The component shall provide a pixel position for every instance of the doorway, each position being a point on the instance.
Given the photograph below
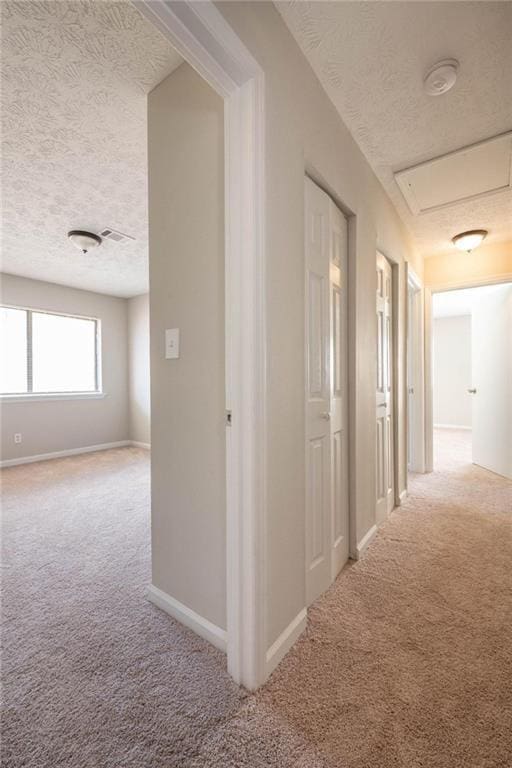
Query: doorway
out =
(471, 378)
(326, 298)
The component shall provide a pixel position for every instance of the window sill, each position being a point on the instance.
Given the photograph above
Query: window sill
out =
(38, 397)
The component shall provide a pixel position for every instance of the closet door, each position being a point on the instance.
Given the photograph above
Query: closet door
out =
(326, 391)
(318, 376)
(384, 393)
(339, 388)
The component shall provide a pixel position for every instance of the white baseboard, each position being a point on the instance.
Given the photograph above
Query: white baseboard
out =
(451, 426)
(365, 542)
(402, 496)
(62, 454)
(286, 639)
(201, 626)
(136, 444)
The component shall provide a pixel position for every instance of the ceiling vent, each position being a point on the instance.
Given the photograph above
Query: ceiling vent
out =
(468, 173)
(113, 234)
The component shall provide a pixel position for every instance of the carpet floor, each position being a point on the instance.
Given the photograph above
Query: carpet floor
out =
(406, 661)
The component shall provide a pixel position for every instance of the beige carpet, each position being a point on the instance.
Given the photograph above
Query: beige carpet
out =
(406, 662)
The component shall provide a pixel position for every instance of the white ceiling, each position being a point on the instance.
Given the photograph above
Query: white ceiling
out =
(371, 58)
(75, 76)
(455, 303)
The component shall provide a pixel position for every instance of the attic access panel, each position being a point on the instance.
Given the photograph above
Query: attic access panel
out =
(465, 174)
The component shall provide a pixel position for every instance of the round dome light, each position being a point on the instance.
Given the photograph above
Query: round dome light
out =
(468, 241)
(84, 240)
(441, 77)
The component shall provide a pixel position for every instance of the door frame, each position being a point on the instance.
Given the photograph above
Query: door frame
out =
(415, 331)
(429, 380)
(201, 35)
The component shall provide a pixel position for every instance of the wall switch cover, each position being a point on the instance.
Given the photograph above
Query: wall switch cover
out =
(172, 343)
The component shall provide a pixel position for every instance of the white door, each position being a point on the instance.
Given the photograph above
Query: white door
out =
(384, 399)
(326, 401)
(410, 376)
(339, 388)
(491, 387)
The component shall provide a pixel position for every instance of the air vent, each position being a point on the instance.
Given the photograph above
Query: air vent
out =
(117, 237)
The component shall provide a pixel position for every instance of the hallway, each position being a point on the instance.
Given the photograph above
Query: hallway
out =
(406, 660)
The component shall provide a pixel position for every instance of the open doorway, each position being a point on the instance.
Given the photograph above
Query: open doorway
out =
(136, 50)
(472, 378)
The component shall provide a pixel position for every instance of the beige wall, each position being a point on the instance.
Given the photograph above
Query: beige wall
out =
(138, 369)
(186, 258)
(451, 347)
(59, 425)
(304, 131)
(484, 265)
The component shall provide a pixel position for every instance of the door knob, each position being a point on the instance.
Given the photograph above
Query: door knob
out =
(472, 391)
(325, 415)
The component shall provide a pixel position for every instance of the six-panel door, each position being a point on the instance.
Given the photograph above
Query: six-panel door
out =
(384, 391)
(326, 401)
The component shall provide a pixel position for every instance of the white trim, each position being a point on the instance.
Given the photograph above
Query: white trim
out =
(286, 640)
(62, 454)
(403, 495)
(452, 426)
(185, 615)
(37, 397)
(199, 32)
(365, 542)
(136, 444)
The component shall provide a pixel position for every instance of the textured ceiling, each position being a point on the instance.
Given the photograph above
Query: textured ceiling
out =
(75, 76)
(371, 58)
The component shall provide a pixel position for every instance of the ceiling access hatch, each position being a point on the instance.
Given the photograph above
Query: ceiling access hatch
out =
(468, 173)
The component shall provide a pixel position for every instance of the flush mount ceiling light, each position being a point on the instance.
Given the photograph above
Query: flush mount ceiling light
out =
(468, 241)
(84, 240)
(441, 77)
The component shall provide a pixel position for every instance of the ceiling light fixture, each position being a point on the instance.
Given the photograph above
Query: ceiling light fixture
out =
(441, 77)
(84, 240)
(468, 241)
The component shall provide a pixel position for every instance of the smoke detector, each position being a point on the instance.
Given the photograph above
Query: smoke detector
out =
(113, 234)
(441, 77)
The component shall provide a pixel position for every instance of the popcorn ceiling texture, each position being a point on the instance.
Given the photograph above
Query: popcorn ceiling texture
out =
(371, 58)
(406, 661)
(75, 76)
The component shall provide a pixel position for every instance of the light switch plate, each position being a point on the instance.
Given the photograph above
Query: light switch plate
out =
(172, 343)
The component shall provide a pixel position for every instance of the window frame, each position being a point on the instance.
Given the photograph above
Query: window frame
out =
(96, 393)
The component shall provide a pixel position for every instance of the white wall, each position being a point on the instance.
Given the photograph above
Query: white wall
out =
(452, 370)
(186, 271)
(56, 425)
(138, 365)
(303, 132)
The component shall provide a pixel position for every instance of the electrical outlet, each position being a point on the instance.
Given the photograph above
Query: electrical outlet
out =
(17, 437)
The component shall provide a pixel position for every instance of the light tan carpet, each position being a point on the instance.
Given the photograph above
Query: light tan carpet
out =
(406, 662)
